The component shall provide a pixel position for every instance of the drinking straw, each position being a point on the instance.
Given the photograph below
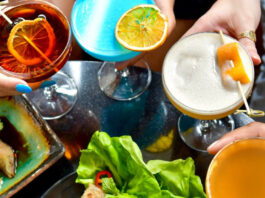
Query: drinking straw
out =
(6, 17)
(250, 112)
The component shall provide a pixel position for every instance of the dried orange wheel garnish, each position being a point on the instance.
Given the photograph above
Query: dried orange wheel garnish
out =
(29, 35)
(142, 28)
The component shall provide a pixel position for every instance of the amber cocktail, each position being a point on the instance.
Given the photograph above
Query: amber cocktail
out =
(35, 43)
(238, 171)
(46, 28)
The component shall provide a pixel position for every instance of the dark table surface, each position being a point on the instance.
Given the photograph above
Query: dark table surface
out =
(145, 118)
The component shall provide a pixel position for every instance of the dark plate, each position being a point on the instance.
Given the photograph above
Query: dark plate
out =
(65, 188)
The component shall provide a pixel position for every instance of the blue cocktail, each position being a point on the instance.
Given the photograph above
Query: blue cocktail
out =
(93, 24)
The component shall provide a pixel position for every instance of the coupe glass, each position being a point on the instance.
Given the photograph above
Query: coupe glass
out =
(199, 127)
(239, 169)
(93, 24)
(55, 101)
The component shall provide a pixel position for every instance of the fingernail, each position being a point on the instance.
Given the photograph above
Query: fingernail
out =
(255, 56)
(47, 83)
(23, 88)
(213, 145)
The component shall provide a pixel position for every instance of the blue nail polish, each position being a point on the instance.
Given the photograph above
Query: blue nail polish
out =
(23, 88)
(47, 83)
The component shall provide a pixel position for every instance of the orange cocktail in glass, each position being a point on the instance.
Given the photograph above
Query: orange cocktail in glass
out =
(35, 24)
(35, 43)
(237, 171)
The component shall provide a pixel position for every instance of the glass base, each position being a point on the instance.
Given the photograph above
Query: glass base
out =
(125, 84)
(57, 100)
(199, 134)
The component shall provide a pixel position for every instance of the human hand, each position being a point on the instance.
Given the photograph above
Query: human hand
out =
(233, 17)
(10, 86)
(252, 130)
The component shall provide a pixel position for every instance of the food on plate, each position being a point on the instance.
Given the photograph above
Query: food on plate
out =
(31, 142)
(93, 192)
(115, 165)
(7, 160)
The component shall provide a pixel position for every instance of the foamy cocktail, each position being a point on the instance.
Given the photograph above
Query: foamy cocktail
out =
(193, 82)
(200, 88)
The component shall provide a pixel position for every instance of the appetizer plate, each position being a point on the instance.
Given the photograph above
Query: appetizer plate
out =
(36, 145)
(66, 188)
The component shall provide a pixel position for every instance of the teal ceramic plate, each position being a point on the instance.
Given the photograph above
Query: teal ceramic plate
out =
(36, 145)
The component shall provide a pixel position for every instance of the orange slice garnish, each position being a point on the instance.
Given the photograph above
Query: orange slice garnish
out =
(31, 41)
(142, 28)
(229, 52)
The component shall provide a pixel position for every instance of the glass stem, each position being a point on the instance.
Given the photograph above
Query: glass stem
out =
(205, 126)
(49, 92)
(125, 72)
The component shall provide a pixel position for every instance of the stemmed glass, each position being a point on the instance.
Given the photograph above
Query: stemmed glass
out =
(49, 45)
(93, 24)
(193, 83)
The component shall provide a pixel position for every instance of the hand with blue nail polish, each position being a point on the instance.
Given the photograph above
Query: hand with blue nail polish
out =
(10, 86)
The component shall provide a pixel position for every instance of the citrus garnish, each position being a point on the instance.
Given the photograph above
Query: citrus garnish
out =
(142, 28)
(31, 41)
(228, 52)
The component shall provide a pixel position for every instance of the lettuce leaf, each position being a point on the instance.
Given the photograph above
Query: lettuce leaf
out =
(135, 179)
(109, 186)
(178, 177)
(123, 158)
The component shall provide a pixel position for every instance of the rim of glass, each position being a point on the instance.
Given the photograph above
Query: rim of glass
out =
(4, 2)
(209, 170)
(11, 5)
(209, 112)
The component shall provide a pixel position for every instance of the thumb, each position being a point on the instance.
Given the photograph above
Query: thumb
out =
(254, 129)
(251, 48)
(201, 25)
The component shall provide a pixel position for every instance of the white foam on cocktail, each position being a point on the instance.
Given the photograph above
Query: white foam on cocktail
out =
(192, 76)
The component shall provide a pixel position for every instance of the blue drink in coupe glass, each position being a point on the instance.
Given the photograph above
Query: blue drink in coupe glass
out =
(93, 25)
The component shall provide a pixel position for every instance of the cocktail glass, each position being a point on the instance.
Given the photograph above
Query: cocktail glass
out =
(193, 83)
(55, 101)
(239, 169)
(93, 24)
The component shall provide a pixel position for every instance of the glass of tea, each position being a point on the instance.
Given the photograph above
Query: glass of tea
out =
(238, 170)
(34, 45)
